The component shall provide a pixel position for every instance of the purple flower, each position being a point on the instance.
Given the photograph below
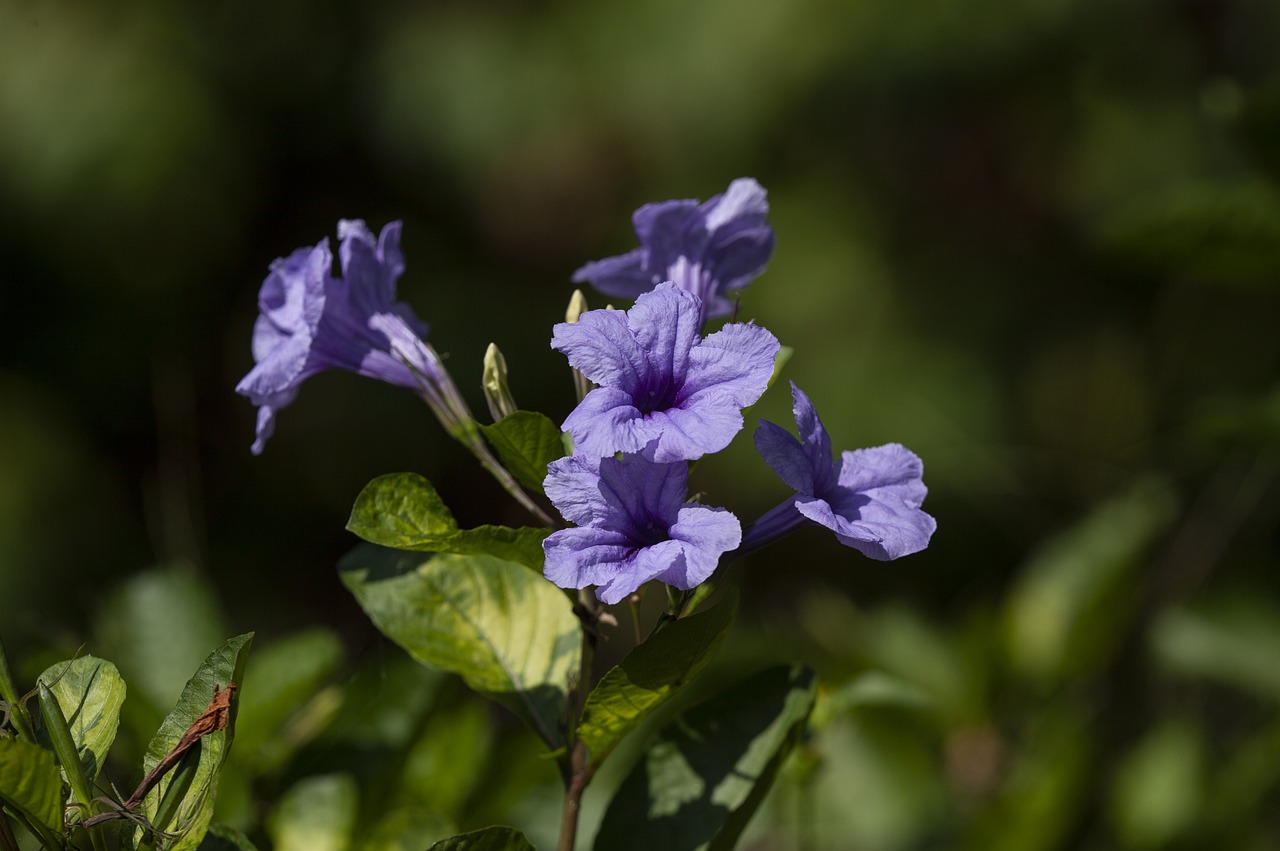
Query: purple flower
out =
(663, 389)
(311, 321)
(869, 497)
(707, 249)
(633, 526)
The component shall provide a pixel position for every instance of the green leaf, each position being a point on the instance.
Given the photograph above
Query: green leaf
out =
(31, 783)
(223, 666)
(403, 511)
(283, 676)
(90, 692)
(223, 838)
(509, 633)
(527, 442)
(649, 675)
(486, 839)
(316, 814)
(699, 783)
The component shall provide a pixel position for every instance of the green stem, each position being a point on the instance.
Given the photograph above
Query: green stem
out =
(64, 747)
(470, 437)
(576, 769)
(17, 708)
(184, 774)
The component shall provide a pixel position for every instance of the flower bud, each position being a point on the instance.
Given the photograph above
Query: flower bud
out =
(577, 307)
(497, 392)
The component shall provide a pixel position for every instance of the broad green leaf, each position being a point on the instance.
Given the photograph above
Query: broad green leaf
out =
(403, 511)
(649, 675)
(31, 783)
(282, 677)
(509, 633)
(526, 442)
(223, 666)
(316, 814)
(699, 783)
(223, 838)
(90, 692)
(486, 839)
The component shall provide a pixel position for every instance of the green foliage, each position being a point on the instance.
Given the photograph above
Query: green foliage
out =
(315, 814)
(225, 665)
(90, 693)
(223, 838)
(486, 839)
(510, 634)
(282, 677)
(31, 784)
(699, 783)
(649, 675)
(403, 511)
(526, 442)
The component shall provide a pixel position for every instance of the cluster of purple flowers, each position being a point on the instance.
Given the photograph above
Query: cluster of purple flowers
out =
(665, 395)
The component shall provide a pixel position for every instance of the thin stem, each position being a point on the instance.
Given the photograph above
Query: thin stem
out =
(576, 769)
(473, 441)
(17, 705)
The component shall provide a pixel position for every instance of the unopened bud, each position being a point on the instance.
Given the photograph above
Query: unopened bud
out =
(577, 306)
(497, 392)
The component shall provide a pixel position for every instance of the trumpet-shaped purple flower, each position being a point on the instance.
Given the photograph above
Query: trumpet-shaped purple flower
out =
(708, 249)
(869, 497)
(663, 389)
(633, 526)
(311, 321)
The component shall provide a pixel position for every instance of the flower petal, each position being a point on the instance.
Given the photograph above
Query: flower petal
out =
(884, 470)
(785, 456)
(668, 230)
(601, 346)
(705, 534)
(624, 276)
(704, 425)
(666, 324)
(744, 198)
(586, 555)
(736, 362)
(641, 494)
(606, 422)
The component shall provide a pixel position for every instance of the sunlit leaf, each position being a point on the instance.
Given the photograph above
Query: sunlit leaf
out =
(223, 666)
(31, 783)
(526, 442)
(315, 814)
(485, 839)
(90, 692)
(649, 675)
(403, 511)
(510, 634)
(699, 783)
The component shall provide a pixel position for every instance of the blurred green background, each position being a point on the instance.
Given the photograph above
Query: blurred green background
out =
(1036, 242)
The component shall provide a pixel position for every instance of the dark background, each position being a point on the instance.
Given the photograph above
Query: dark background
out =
(1038, 243)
